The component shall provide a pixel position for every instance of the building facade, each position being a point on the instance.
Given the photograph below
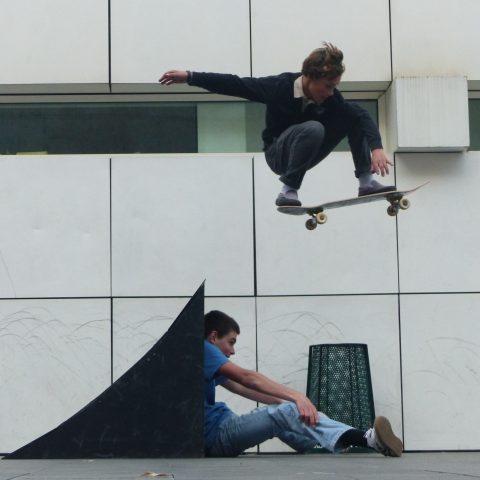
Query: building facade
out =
(139, 192)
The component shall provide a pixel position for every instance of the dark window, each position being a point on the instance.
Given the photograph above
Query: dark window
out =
(474, 114)
(64, 128)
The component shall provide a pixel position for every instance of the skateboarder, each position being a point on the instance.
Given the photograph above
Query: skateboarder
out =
(288, 415)
(306, 118)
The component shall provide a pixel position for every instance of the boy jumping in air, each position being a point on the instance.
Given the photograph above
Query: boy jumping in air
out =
(306, 118)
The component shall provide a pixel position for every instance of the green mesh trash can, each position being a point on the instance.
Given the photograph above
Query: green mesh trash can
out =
(339, 383)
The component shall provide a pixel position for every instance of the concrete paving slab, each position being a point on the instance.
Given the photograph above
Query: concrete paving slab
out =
(418, 466)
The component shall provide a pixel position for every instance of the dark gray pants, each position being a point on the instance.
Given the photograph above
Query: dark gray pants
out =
(300, 147)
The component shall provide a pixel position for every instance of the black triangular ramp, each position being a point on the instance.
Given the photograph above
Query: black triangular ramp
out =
(154, 410)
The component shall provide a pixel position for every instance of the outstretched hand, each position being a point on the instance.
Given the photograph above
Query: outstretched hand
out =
(174, 76)
(380, 162)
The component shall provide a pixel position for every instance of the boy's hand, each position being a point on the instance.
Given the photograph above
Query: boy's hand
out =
(174, 76)
(380, 162)
(308, 411)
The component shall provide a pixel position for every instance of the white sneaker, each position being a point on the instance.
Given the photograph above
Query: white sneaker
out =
(382, 439)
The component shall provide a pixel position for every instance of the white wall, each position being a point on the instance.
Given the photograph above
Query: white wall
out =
(53, 42)
(330, 260)
(169, 235)
(282, 36)
(159, 35)
(55, 226)
(435, 38)
(54, 359)
(445, 257)
(64, 44)
(441, 347)
(288, 325)
(177, 220)
(82, 235)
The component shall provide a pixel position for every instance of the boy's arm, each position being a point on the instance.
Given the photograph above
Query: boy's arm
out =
(380, 162)
(235, 387)
(260, 383)
(254, 89)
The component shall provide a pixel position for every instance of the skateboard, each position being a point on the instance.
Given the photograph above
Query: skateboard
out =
(397, 200)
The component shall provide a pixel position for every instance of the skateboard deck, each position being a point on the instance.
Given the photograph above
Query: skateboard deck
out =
(397, 200)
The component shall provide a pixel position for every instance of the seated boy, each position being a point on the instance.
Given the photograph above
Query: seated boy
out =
(288, 415)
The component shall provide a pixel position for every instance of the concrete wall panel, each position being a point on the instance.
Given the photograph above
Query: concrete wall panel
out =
(54, 41)
(284, 34)
(178, 220)
(435, 38)
(288, 325)
(335, 257)
(441, 360)
(54, 219)
(54, 359)
(159, 35)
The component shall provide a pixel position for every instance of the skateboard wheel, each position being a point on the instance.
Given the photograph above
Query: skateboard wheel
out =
(392, 210)
(321, 217)
(404, 203)
(311, 224)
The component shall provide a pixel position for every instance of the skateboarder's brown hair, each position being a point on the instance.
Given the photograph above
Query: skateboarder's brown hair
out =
(326, 61)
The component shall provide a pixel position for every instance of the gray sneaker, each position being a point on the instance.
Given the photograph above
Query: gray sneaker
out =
(288, 199)
(375, 187)
(382, 439)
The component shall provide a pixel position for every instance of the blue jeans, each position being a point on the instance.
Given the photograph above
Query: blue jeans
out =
(237, 433)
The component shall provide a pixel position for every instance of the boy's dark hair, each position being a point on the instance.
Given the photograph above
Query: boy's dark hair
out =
(221, 322)
(326, 61)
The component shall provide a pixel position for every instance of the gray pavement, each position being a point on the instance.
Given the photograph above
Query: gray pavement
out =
(421, 466)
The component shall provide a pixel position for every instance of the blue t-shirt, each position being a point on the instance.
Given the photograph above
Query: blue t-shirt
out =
(215, 412)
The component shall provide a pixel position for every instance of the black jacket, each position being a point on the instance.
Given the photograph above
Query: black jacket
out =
(284, 110)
